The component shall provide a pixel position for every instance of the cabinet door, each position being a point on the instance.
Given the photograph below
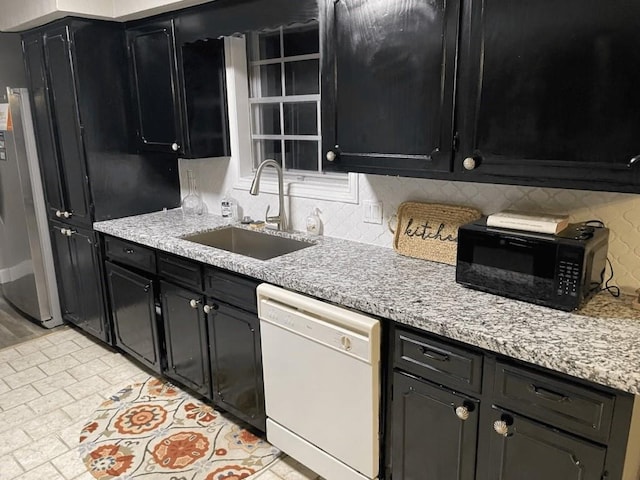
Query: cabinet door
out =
(430, 441)
(64, 107)
(153, 63)
(186, 338)
(547, 93)
(45, 132)
(532, 451)
(236, 362)
(388, 83)
(135, 328)
(78, 274)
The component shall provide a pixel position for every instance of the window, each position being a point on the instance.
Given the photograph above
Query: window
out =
(284, 86)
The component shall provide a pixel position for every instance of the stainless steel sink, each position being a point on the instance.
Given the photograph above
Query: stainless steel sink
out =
(248, 242)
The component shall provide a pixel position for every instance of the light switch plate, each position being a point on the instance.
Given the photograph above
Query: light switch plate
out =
(372, 212)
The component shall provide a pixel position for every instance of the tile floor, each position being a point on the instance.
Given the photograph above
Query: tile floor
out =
(48, 387)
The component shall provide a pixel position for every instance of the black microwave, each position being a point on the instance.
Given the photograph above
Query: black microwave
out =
(560, 271)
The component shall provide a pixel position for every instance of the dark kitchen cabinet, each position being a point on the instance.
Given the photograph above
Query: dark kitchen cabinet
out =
(458, 413)
(236, 362)
(388, 79)
(78, 274)
(59, 135)
(526, 450)
(434, 431)
(547, 94)
(179, 91)
(133, 312)
(186, 339)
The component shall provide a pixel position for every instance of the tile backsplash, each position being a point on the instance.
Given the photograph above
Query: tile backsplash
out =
(619, 211)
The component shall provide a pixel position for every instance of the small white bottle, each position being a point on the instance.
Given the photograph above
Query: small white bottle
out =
(228, 208)
(314, 224)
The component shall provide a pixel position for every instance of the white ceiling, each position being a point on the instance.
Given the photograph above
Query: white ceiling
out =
(16, 16)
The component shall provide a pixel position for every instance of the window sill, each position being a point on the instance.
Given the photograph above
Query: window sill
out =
(333, 188)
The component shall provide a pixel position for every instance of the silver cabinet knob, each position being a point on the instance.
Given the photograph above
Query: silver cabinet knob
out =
(193, 303)
(501, 427)
(67, 214)
(209, 308)
(175, 147)
(58, 213)
(462, 412)
(469, 163)
(331, 156)
(63, 231)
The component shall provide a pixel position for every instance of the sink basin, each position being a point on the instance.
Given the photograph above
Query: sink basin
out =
(248, 242)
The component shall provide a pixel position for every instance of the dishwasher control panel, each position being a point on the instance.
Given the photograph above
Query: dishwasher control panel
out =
(318, 329)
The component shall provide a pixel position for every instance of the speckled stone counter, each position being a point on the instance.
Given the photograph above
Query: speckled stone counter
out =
(600, 343)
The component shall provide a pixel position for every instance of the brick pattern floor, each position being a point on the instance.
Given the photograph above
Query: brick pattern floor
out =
(49, 386)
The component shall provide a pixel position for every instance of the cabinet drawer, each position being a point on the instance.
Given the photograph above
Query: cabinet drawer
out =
(180, 270)
(129, 253)
(233, 289)
(438, 362)
(561, 403)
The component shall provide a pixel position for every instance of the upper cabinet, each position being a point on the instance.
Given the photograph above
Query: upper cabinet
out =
(529, 93)
(179, 92)
(388, 82)
(548, 93)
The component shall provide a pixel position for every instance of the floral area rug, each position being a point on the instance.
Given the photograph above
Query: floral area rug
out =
(153, 430)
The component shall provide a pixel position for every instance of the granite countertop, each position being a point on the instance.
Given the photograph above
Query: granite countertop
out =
(600, 343)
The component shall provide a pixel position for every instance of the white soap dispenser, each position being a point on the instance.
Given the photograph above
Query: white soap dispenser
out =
(228, 208)
(314, 224)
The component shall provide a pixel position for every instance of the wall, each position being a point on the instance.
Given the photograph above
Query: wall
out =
(11, 75)
(620, 212)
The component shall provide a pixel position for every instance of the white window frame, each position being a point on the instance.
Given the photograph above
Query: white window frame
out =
(339, 187)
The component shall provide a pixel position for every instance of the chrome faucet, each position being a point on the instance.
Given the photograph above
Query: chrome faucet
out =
(279, 220)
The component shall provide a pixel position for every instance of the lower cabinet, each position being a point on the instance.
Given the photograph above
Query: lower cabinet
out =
(525, 450)
(133, 311)
(186, 338)
(434, 431)
(236, 362)
(78, 273)
(516, 422)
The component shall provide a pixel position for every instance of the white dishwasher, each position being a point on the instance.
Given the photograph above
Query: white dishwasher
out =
(322, 383)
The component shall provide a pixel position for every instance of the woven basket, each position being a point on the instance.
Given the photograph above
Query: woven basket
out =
(430, 230)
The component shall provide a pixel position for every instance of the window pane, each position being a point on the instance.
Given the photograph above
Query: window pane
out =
(301, 40)
(269, 81)
(267, 45)
(264, 149)
(302, 78)
(301, 155)
(300, 118)
(266, 119)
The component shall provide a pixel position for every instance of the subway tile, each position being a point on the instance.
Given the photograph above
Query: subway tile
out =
(9, 354)
(81, 409)
(54, 382)
(9, 468)
(290, 469)
(47, 424)
(43, 472)
(33, 346)
(59, 364)
(69, 464)
(61, 349)
(89, 353)
(16, 397)
(28, 361)
(89, 369)
(24, 377)
(115, 359)
(86, 387)
(122, 374)
(50, 402)
(16, 416)
(13, 439)
(83, 341)
(70, 435)
(6, 369)
(39, 452)
(4, 387)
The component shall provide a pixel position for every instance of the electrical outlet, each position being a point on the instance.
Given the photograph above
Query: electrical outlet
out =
(372, 212)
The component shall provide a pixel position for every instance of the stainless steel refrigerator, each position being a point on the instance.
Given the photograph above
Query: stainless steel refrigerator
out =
(26, 261)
